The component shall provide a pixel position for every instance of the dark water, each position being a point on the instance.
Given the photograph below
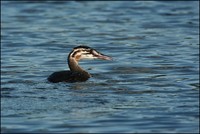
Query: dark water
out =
(152, 85)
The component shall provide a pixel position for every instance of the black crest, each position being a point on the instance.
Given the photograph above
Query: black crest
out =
(86, 47)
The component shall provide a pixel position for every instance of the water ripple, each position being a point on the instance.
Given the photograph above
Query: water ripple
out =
(151, 86)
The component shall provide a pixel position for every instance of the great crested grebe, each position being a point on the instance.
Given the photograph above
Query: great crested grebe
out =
(76, 73)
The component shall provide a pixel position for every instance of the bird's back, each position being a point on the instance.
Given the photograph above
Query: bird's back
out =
(67, 76)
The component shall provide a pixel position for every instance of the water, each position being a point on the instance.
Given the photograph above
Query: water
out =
(152, 85)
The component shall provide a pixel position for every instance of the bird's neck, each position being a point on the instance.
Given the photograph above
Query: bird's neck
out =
(73, 65)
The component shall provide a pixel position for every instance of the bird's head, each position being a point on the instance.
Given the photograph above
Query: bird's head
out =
(85, 52)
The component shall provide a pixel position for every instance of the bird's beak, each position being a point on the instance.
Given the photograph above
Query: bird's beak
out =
(103, 57)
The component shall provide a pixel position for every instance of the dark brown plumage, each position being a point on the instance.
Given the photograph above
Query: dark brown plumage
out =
(76, 73)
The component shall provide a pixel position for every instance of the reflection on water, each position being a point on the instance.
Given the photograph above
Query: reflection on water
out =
(152, 85)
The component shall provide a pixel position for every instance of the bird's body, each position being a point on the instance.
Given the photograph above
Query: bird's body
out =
(76, 73)
(67, 76)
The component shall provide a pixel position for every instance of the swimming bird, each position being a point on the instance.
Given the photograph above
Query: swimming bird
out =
(76, 73)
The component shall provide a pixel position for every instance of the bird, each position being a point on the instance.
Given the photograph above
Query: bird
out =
(76, 73)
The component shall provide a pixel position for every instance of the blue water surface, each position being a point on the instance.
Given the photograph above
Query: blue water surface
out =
(152, 84)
